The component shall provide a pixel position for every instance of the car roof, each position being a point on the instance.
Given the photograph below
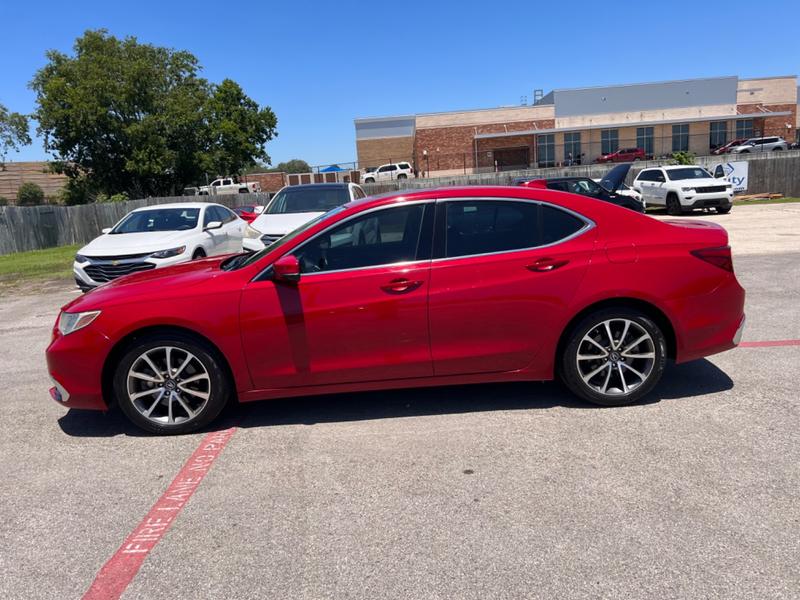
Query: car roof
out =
(675, 167)
(176, 205)
(322, 186)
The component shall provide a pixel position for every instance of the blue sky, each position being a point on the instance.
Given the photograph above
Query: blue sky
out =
(321, 64)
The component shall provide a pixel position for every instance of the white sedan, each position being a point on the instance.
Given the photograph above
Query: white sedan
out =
(158, 236)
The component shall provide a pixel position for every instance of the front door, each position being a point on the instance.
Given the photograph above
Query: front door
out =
(359, 312)
(507, 272)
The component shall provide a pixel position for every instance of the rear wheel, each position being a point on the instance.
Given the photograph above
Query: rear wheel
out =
(673, 205)
(613, 357)
(369, 180)
(170, 383)
(402, 176)
(777, 149)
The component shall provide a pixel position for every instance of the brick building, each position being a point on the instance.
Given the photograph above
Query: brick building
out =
(579, 125)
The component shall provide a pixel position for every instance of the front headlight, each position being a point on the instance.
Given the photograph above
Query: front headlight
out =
(80, 258)
(687, 189)
(252, 233)
(169, 253)
(69, 322)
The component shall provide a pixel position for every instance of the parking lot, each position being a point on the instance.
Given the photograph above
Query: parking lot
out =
(491, 491)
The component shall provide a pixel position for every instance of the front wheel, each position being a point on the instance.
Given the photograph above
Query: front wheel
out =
(674, 205)
(613, 357)
(369, 180)
(170, 384)
(724, 210)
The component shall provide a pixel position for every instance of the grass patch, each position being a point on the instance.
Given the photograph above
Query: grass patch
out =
(52, 263)
(765, 201)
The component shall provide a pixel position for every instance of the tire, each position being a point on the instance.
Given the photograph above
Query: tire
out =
(673, 205)
(724, 210)
(745, 152)
(402, 176)
(198, 254)
(609, 380)
(170, 414)
(777, 149)
(369, 180)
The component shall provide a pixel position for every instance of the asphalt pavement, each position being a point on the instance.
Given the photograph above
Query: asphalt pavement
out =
(491, 491)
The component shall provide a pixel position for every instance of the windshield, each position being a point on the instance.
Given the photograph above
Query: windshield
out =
(303, 200)
(160, 219)
(687, 173)
(242, 260)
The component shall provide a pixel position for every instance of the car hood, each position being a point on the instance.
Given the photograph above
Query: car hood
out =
(283, 224)
(119, 244)
(179, 280)
(615, 177)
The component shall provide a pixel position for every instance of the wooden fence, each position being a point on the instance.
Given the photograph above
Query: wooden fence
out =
(35, 227)
(31, 228)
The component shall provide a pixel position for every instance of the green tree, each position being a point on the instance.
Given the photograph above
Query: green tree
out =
(30, 194)
(295, 165)
(13, 132)
(122, 116)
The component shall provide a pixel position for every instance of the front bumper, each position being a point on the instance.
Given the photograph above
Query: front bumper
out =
(96, 271)
(707, 200)
(75, 365)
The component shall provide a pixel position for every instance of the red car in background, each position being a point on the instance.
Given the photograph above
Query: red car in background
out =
(622, 155)
(421, 288)
(727, 147)
(249, 212)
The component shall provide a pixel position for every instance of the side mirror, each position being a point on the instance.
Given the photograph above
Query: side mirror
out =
(286, 268)
(106, 230)
(213, 225)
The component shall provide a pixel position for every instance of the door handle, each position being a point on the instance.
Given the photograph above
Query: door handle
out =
(401, 286)
(546, 264)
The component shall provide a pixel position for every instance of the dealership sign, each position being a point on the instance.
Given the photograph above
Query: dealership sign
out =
(735, 172)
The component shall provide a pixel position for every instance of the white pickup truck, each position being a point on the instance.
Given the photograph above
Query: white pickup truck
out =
(228, 185)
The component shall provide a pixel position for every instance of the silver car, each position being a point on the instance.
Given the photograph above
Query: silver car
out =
(761, 144)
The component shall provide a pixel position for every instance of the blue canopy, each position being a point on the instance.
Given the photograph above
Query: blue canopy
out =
(332, 169)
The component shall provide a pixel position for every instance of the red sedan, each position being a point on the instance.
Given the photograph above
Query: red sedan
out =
(425, 288)
(622, 155)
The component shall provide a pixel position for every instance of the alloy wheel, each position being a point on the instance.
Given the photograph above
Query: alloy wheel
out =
(615, 357)
(168, 385)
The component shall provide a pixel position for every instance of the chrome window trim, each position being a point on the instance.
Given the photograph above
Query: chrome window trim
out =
(588, 225)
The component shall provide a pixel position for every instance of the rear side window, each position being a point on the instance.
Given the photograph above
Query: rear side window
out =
(485, 226)
(558, 224)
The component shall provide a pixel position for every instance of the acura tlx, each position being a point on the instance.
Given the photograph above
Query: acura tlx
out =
(422, 288)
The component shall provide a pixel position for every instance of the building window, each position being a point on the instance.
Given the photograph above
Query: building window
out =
(546, 150)
(718, 134)
(680, 137)
(644, 140)
(609, 141)
(744, 128)
(572, 148)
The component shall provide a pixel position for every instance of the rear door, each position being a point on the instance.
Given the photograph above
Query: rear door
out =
(359, 312)
(503, 274)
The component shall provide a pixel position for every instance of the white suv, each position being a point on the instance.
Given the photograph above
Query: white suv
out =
(401, 170)
(762, 144)
(296, 205)
(682, 188)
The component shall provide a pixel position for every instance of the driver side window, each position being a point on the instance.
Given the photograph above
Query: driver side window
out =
(378, 238)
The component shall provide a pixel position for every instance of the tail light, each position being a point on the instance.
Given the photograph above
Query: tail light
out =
(719, 256)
